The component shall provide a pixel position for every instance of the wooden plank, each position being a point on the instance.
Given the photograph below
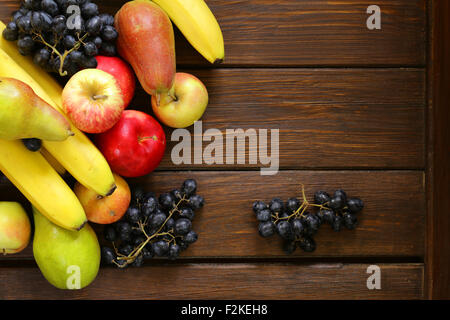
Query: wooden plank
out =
(391, 225)
(327, 117)
(316, 32)
(225, 281)
(438, 231)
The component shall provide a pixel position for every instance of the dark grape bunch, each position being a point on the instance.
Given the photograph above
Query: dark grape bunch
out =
(41, 29)
(296, 225)
(153, 226)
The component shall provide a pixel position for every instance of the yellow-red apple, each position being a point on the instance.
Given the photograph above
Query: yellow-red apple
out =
(105, 210)
(185, 103)
(15, 228)
(93, 100)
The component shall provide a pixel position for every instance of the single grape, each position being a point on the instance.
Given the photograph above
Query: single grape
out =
(355, 205)
(89, 62)
(292, 205)
(349, 220)
(321, 197)
(147, 253)
(90, 49)
(138, 193)
(289, 246)
(160, 248)
(76, 56)
(109, 33)
(284, 230)
(138, 261)
(107, 19)
(97, 41)
(327, 216)
(307, 244)
(298, 227)
(24, 23)
(191, 237)
(32, 144)
(16, 15)
(69, 41)
(41, 57)
(108, 255)
(123, 227)
(108, 49)
(50, 6)
(337, 202)
(189, 186)
(149, 206)
(94, 26)
(109, 233)
(264, 215)
(174, 251)
(59, 25)
(167, 201)
(89, 9)
(158, 219)
(11, 32)
(340, 193)
(276, 205)
(27, 4)
(258, 206)
(133, 214)
(170, 224)
(126, 249)
(196, 201)
(266, 229)
(187, 213)
(137, 241)
(182, 226)
(337, 223)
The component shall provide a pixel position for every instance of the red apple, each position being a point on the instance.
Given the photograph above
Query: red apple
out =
(104, 210)
(93, 100)
(185, 104)
(123, 74)
(134, 146)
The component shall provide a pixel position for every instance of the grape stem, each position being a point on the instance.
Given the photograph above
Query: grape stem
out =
(136, 251)
(302, 209)
(62, 57)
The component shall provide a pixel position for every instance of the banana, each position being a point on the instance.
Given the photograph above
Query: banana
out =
(77, 153)
(198, 24)
(41, 185)
(53, 162)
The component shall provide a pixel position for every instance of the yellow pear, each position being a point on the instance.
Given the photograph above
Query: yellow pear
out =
(67, 259)
(23, 114)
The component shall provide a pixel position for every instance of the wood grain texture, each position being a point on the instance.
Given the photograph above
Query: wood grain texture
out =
(314, 32)
(237, 281)
(326, 117)
(391, 225)
(438, 235)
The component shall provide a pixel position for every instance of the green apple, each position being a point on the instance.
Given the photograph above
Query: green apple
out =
(185, 103)
(15, 228)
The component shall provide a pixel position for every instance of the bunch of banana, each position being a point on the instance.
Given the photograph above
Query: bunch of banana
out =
(198, 24)
(31, 172)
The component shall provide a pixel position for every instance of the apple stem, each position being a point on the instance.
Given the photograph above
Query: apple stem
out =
(158, 99)
(101, 96)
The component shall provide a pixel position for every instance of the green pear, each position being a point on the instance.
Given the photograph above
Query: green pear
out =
(67, 259)
(23, 114)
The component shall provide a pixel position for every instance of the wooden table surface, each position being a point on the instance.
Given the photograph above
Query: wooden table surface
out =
(352, 108)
